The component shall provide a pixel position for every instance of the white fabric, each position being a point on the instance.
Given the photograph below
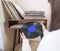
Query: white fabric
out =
(45, 32)
(26, 47)
(1, 40)
(50, 42)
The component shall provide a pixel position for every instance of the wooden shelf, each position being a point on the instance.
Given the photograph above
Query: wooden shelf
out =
(13, 22)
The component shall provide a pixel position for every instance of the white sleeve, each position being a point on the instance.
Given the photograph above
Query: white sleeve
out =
(26, 45)
(45, 32)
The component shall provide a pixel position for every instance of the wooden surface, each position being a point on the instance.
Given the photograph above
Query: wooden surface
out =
(13, 22)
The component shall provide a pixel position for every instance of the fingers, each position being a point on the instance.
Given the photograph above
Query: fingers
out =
(42, 23)
(43, 26)
(22, 35)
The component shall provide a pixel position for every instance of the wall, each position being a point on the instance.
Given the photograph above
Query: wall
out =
(38, 5)
(7, 34)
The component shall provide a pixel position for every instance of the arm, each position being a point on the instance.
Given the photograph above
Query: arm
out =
(25, 44)
(45, 31)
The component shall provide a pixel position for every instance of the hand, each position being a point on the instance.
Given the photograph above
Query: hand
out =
(22, 35)
(43, 26)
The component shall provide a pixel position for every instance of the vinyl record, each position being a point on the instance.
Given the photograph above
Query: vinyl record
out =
(32, 29)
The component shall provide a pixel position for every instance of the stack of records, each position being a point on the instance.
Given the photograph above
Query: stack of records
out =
(34, 13)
